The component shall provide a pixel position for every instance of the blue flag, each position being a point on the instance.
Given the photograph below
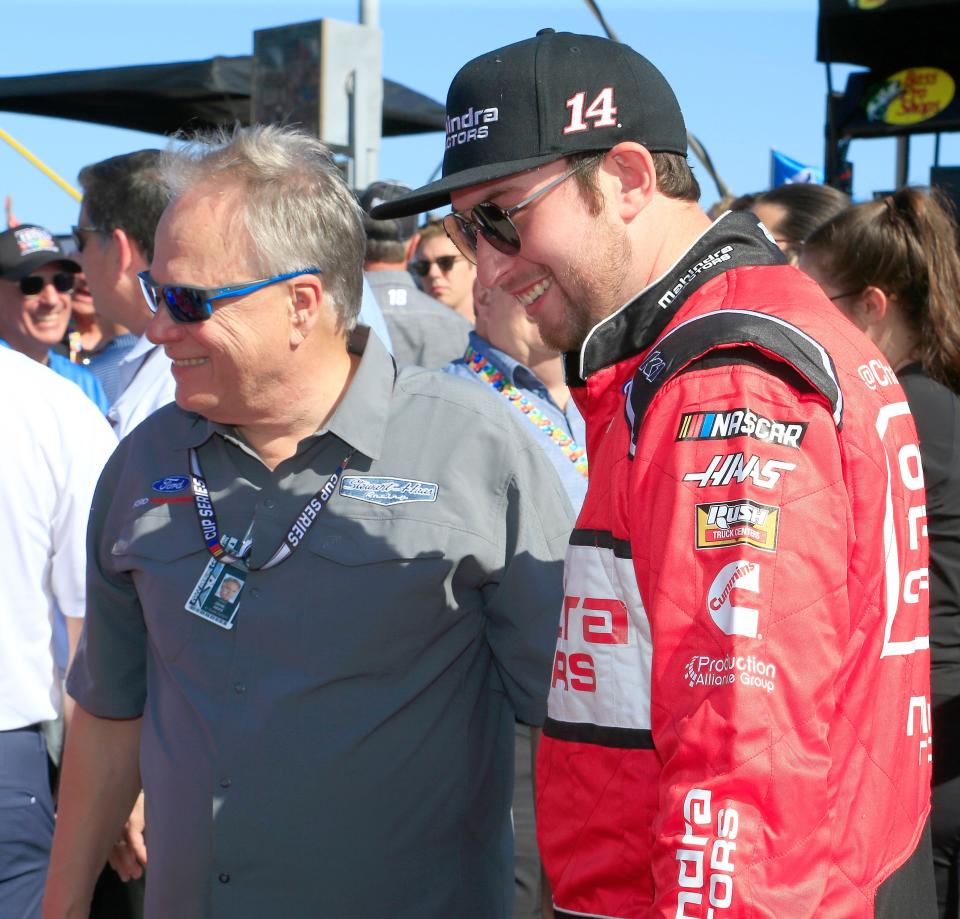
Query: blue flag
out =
(786, 171)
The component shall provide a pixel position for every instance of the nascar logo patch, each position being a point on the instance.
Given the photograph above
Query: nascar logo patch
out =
(740, 422)
(737, 523)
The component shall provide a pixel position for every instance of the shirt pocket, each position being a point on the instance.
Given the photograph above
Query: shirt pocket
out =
(385, 587)
(163, 552)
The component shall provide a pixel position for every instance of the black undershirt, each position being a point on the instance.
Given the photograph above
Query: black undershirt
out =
(936, 412)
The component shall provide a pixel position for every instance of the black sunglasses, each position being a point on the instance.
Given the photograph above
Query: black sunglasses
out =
(192, 304)
(79, 240)
(494, 223)
(32, 284)
(421, 267)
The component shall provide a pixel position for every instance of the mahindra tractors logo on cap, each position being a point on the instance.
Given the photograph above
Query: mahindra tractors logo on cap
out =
(731, 619)
(472, 125)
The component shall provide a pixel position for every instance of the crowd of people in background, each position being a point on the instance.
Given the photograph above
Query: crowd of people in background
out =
(360, 693)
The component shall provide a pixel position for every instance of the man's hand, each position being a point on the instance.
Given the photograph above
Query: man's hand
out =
(11, 218)
(99, 784)
(128, 857)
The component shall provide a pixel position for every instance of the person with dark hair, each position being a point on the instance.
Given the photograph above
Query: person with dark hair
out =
(123, 198)
(737, 719)
(424, 332)
(892, 268)
(96, 342)
(792, 212)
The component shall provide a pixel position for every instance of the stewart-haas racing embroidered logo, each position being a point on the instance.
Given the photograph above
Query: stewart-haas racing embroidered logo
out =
(737, 522)
(740, 422)
(387, 491)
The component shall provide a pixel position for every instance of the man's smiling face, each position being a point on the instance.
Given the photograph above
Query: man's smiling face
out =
(568, 273)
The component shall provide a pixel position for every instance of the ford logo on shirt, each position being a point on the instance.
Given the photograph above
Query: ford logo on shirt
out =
(171, 483)
(386, 491)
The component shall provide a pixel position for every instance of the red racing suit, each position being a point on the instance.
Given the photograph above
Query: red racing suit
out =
(739, 716)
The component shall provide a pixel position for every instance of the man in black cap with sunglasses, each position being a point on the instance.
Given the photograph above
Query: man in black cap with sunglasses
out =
(36, 278)
(738, 719)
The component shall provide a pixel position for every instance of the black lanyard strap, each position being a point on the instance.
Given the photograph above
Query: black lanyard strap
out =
(210, 530)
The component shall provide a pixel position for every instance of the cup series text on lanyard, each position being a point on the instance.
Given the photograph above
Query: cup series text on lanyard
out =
(207, 517)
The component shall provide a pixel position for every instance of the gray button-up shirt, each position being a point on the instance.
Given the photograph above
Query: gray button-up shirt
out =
(424, 331)
(346, 749)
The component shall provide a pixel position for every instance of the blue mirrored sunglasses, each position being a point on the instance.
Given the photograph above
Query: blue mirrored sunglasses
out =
(192, 304)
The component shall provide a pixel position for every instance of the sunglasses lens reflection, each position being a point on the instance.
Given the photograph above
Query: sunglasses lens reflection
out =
(497, 228)
(184, 304)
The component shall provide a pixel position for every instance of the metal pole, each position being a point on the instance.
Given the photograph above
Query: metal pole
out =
(43, 167)
(903, 161)
(365, 91)
(370, 13)
(936, 149)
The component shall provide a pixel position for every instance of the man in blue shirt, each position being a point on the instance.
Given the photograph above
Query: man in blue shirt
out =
(507, 355)
(36, 278)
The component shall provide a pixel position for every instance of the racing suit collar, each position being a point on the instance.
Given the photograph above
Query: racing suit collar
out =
(733, 240)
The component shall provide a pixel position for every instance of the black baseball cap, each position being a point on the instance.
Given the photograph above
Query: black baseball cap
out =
(26, 248)
(540, 100)
(399, 229)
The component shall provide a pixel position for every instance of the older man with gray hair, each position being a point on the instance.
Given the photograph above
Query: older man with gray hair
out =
(336, 738)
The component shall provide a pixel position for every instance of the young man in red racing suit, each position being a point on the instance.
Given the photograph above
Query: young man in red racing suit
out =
(738, 714)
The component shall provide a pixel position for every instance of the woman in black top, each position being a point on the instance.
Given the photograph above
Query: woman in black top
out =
(892, 267)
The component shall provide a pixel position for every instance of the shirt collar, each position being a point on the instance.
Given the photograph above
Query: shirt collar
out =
(732, 241)
(363, 413)
(517, 373)
(360, 419)
(143, 346)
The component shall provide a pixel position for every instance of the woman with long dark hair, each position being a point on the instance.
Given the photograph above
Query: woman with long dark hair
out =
(892, 266)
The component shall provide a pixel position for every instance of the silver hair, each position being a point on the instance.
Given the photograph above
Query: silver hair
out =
(296, 205)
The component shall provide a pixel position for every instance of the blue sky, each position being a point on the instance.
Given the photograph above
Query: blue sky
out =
(744, 71)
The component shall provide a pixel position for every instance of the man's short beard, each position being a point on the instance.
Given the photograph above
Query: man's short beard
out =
(594, 296)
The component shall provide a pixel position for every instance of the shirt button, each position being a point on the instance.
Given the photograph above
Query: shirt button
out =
(255, 592)
(239, 688)
(224, 878)
(224, 782)
(270, 504)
